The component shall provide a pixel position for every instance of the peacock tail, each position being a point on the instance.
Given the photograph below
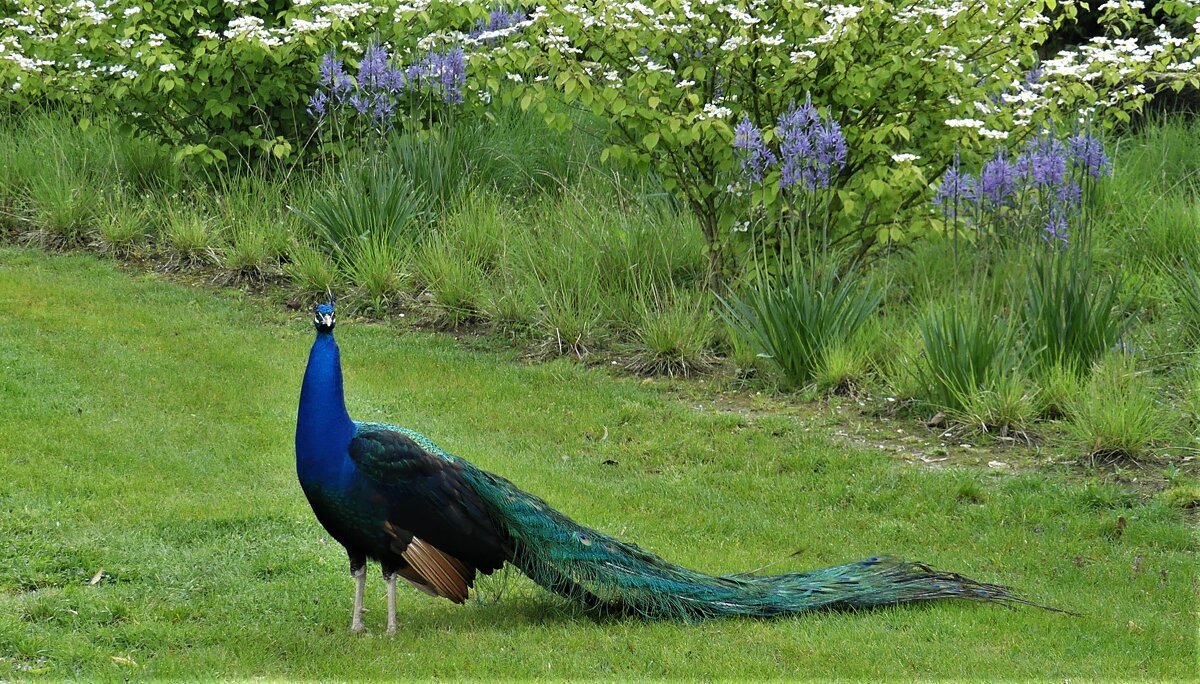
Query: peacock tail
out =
(612, 576)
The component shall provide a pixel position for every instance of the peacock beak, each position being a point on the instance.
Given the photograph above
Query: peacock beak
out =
(324, 320)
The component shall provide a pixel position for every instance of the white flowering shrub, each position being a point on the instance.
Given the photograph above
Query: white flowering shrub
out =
(909, 82)
(214, 77)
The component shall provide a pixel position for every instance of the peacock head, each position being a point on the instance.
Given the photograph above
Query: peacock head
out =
(324, 319)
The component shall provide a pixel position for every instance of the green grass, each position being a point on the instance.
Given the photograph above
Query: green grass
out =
(147, 431)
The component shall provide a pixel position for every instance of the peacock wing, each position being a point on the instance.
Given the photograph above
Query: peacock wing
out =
(438, 523)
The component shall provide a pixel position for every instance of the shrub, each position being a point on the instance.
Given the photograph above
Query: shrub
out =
(797, 316)
(672, 79)
(1117, 417)
(1069, 317)
(215, 79)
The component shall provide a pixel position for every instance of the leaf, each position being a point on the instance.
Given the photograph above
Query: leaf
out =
(651, 140)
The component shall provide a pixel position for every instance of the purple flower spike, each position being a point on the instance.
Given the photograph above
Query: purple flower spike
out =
(331, 70)
(811, 148)
(1087, 153)
(317, 104)
(1056, 228)
(373, 69)
(956, 191)
(1044, 162)
(998, 180)
(752, 150)
(361, 103)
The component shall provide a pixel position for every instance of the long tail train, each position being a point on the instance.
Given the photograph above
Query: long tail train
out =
(612, 576)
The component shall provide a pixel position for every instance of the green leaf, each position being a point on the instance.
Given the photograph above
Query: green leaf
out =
(651, 140)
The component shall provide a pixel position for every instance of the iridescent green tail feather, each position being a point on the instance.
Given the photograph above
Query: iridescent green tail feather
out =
(612, 576)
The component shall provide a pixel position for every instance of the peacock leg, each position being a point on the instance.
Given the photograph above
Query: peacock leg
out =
(360, 584)
(391, 600)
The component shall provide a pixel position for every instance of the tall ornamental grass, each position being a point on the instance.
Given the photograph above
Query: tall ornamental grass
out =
(968, 349)
(794, 318)
(1071, 314)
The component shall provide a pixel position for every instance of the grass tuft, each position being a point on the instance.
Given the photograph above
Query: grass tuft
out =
(375, 267)
(452, 276)
(311, 271)
(1117, 418)
(123, 226)
(188, 235)
(673, 334)
(795, 318)
(1070, 317)
(64, 205)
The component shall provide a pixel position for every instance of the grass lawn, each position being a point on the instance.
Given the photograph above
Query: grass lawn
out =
(148, 432)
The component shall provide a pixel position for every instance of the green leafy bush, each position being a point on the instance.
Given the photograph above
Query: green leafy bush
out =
(910, 85)
(213, 78)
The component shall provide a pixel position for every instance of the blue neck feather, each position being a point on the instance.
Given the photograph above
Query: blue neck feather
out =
(323, 428)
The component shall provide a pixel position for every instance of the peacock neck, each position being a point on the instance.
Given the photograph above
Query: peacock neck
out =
(323, 427)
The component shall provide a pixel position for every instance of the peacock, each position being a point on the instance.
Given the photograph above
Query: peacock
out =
(435, 520)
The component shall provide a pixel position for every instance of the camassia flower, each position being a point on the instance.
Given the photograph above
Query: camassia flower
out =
(752, 150)
(812, 149)
(374, 93)
(1042, 187)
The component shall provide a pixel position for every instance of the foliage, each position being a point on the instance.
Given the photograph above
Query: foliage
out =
(1187, 284)
(672, 333)
(1070, 318)
(968, 351)
(311, 270)
(375, 266)
(672, 77)
(188, 235)
(1030, 198)
(213, 78)
(122, 225)
(797, 316)
(1117, 417)
(452, 276)
(368, 201)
